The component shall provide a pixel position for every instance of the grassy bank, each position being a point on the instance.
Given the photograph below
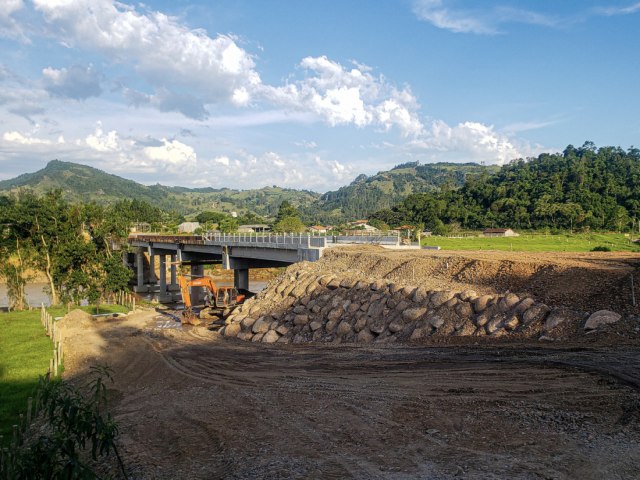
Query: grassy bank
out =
(25, 351)
(537, 243)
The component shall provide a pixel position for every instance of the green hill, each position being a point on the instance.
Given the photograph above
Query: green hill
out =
(81, 183)
(587, 188)
(366, 195)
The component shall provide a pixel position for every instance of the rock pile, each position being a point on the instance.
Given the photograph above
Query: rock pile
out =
(301, 306)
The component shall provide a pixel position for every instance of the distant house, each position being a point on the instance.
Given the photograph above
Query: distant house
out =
(188, 227)
(140, 227)
(318, 229)
(255, 228)
(362, 225)
(499, 232)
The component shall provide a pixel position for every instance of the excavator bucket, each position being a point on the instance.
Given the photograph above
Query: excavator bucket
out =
(189, 317)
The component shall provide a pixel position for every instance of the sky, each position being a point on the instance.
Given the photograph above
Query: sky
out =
(309, 94)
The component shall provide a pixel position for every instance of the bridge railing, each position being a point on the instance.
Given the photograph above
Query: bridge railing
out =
(272, 239)
(299, 239)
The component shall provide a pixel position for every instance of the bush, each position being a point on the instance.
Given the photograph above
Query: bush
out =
(77, 426)
(601, 248)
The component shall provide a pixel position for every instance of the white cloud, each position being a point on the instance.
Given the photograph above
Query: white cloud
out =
(173, 154)
(8, 26)
(469, 142)
(306, 144)
(348, 96)
(222, 160)
(481, 20)
(77, 82)
(436, 13)
(161, 49)
(102, 142)
(628, 10)
(17, 137)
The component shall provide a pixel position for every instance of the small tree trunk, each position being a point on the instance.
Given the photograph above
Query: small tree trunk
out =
(54, 294)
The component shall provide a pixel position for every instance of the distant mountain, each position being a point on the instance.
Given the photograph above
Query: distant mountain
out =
(366, 195)
(80, 182)
(362, 197)
(84, 183)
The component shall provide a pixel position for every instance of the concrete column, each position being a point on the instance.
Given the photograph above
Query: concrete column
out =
(241, 278)
(152, 269)
(173, 286)
(197, 293)
(140, 286)
(163, 296)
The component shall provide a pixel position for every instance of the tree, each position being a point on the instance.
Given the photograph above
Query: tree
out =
(210, 217)
(228, 225)
(289, 225)
(286, 210)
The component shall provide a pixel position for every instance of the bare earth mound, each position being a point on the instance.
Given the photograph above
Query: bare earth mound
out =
(192, 403)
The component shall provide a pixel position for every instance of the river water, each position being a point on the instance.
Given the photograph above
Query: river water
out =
(35, 295)
(36, 291)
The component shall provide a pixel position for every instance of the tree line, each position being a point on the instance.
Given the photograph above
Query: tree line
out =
(586, 188)
(73, 245)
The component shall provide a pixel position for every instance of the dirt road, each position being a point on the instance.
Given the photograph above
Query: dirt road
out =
(191, 404)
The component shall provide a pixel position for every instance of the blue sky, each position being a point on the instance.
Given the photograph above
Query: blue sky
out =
(309, 94)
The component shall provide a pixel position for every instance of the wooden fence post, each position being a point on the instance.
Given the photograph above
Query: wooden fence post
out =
(29, 408)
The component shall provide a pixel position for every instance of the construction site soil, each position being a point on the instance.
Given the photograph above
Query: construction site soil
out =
(193, 403)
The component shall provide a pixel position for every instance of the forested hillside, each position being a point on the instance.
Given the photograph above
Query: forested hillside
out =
(582, 187)
(385, 189)
(81, 183)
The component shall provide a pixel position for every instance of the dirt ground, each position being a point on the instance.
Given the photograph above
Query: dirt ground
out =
(192, 404)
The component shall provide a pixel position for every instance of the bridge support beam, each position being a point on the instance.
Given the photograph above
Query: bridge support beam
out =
(241, 278)
(140, 286)
(197, 293)
(173, 286)
(163, 296)
(152, 270)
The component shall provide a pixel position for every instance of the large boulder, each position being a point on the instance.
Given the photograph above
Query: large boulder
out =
(412, 314)
(438, 298)
(376, 324)
(232, 330)
(365, 336)
(270, 337)
(343, 329)
(601, 317)
(480, 303)
(536, 313)
(260, 326)
(420, 295)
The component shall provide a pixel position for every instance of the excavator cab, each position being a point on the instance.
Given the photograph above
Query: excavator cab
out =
(217, 299)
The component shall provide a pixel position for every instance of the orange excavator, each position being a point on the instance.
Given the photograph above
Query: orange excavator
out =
(217, 299)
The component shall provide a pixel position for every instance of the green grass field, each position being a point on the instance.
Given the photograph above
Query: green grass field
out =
(25, 351)
(537, 243)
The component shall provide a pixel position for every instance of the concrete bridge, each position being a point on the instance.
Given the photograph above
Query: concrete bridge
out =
(239, 252)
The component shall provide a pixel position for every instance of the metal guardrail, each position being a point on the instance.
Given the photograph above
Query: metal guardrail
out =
(270, 239)
(373, 239)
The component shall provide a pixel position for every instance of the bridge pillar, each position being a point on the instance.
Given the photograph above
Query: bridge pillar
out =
(164, 296)
(197, 293)
(173, 286)
(241, 278)
(152, 270)
(140, 286)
